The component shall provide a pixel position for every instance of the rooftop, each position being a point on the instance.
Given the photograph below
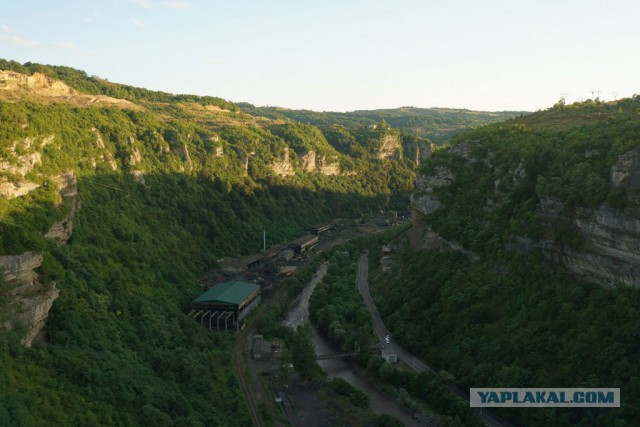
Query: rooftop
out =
(228, 293)
(305, 240)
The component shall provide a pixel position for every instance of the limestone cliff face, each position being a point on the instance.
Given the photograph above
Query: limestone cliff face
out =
(18, 87)
(424, 202)
(607, 250)
(420, 152)
(309, 162)
(610, 254)
(68, 190)
(10, 190)
(390, 147)
(183, 150)
(22, 157)
(283, 166)
(28, 301)
(327, 167)
(626, 171)
(38, 82)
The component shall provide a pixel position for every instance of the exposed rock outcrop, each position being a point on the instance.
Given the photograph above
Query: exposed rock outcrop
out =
(183, 150)
(283, 166)
(23, 157)
(606, 243)
(40, 87)
(68, 189)
(610, 254)
(38, 82)
(10, 190)
(28, 301)
(138, 176)
(327, 167)
(626, 171)
(390, 147)
(308, 161)
(420, 152)
(425, 202)
(22, 164)
(312, 161)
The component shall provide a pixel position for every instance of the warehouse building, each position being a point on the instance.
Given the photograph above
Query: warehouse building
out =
(318, 229)
(304, 244)
(226, 305)
(240, 265)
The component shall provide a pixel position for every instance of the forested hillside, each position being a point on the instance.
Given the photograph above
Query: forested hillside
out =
(114, 202)
(521, 269)
(436, 124)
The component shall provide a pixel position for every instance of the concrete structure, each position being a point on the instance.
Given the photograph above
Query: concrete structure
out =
(286, 254)
(240, 265)
(261, 348)
(318, 229)
(389, 356)
(304, 244)
(226, 305)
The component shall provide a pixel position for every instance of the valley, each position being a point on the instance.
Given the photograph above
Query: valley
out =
(503, 251)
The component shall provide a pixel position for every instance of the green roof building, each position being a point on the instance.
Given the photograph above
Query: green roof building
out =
(226, 305)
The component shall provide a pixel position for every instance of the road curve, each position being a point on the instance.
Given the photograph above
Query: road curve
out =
(381, 331)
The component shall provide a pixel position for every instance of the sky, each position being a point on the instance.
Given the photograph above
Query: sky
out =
(330, 55)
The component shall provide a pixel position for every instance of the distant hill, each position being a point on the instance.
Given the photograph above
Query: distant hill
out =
(435, 124)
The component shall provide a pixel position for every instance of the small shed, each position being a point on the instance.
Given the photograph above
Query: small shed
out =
(389, 356)
(261, 348)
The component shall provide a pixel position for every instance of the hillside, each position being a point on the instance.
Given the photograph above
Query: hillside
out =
(114, 202)
(435, 124)
(522, 268)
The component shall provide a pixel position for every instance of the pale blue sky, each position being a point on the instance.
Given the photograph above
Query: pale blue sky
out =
(342, 55)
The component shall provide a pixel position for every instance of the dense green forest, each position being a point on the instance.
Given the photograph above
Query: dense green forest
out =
(510, 166)
(495, 317)
(161, 199)
(435, 124)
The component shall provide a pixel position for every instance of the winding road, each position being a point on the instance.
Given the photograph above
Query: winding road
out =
(381, 331)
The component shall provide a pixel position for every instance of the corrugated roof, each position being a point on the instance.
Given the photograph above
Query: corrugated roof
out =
(228, 293)
(305, 240)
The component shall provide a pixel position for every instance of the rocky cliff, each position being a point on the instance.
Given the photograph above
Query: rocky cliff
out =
(390, 146)
(40, 87)
(309, 162)
(605, 243)
(68, 191)
(609, 251)
(27, 301)
(22, 156)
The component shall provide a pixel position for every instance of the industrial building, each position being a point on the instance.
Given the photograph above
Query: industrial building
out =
(318, 229)
(304, 244)
(226, 305)
(240, 265)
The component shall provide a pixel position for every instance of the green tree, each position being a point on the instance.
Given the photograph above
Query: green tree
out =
(303, 353)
